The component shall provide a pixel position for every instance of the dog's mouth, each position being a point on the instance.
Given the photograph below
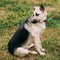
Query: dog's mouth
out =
(35, 21)
(38, 21)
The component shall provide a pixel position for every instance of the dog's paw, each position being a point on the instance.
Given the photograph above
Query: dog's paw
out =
(42, 53)
(43, 50)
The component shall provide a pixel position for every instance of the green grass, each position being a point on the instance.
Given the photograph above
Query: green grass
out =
(14, 12)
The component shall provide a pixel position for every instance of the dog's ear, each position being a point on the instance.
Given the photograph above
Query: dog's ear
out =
(34, 7)
(42, 7)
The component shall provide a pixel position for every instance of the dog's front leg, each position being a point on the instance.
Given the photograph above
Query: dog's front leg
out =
(38, 45)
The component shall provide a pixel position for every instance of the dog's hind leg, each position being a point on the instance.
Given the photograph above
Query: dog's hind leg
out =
(21, 52)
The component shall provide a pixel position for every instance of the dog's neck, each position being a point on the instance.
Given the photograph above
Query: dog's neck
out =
(44, 21)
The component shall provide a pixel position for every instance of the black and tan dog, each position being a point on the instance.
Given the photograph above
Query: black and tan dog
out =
(34, 26)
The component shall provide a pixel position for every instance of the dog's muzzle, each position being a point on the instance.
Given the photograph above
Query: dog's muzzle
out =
(35, 21)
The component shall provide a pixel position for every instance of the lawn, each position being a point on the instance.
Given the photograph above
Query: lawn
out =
(14, 12)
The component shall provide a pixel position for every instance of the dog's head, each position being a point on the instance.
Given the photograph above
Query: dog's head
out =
(39, 14)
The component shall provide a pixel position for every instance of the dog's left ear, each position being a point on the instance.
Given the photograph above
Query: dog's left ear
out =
(42, 7)
(34, 7)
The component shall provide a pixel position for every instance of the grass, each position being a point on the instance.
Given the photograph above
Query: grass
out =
(14, 12)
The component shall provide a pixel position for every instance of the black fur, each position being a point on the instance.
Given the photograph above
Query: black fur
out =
(42, 7)
(19, 38)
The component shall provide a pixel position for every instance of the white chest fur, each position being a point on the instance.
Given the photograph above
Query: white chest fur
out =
(35, 28)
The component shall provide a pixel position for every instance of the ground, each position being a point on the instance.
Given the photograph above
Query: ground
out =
(14, 12)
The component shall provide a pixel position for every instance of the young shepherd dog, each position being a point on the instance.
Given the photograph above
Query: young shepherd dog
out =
(34, 26)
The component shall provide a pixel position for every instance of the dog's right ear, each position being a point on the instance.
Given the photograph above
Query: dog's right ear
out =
(42, 7)
(34, 7)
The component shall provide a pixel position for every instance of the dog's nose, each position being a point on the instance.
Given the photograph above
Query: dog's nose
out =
(34, 21)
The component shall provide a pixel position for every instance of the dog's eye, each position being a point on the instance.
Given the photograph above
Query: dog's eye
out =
(37, 14)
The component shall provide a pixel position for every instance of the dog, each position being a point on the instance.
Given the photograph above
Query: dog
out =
(34, 26)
